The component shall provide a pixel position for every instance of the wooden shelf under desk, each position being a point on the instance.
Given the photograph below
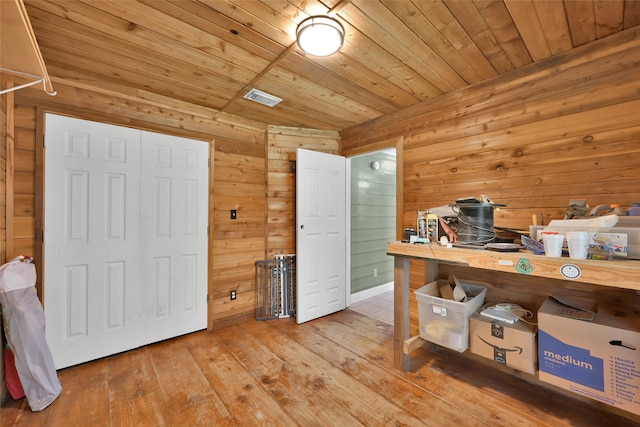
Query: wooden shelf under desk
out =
(618, 273)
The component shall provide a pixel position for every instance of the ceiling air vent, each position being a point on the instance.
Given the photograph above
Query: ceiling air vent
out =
(262, 97)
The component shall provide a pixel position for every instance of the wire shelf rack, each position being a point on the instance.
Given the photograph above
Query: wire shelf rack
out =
(276, 287)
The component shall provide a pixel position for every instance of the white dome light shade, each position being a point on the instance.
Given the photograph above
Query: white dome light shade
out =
(320, 35)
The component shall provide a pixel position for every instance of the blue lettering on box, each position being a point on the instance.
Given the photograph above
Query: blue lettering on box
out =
(571, 363)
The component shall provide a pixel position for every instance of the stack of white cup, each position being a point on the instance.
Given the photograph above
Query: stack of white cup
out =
(578, 243)
(552, 243)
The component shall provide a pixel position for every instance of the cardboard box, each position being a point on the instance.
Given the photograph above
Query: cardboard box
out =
(446, 322)
(513, 345)
(594, 352)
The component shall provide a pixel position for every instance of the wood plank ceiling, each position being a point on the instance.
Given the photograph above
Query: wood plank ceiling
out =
(396, 53)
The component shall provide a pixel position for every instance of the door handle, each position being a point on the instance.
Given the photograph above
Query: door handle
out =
(302, 227)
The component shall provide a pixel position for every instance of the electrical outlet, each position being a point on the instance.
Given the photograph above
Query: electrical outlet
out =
(375, 272)
(233, 295)
(234, 214)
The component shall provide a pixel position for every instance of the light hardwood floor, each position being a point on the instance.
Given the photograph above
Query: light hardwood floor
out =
(379, 307)
(334, 371)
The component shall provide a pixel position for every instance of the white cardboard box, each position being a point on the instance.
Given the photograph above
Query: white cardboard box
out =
(513, 345)
(597, 358)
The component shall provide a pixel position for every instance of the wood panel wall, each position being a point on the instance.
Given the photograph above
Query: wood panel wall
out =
(238, 178)
(238, 184)
(22, 233)
(560, 129)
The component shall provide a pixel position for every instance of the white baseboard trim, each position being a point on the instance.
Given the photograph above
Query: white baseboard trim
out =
(372, 292)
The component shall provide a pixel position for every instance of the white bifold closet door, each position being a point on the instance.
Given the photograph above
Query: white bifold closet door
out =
(125, 241)
(174, 207)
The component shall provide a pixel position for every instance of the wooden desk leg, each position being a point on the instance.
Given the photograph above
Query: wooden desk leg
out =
(400, 312)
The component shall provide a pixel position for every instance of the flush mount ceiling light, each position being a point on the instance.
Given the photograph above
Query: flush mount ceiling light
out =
(320, 35)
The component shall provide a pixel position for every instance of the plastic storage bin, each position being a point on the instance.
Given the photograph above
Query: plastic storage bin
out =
(446, 322)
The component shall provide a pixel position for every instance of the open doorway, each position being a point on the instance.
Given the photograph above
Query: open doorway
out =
(373, 225)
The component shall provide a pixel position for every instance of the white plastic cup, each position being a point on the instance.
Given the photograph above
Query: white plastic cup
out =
(578, 243)
(553, 244)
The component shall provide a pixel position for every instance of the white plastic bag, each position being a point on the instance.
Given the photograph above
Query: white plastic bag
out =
(25, 328)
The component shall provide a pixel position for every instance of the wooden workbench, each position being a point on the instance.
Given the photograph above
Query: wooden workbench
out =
(619, 273)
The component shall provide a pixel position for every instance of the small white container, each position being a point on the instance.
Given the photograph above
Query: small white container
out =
(553, 244)
(578, 244)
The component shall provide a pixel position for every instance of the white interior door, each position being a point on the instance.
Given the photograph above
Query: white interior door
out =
(174, 236)
(91, 239)
(321, 234)
(125, 238)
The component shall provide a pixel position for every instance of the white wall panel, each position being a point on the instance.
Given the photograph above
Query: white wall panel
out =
(373, 220)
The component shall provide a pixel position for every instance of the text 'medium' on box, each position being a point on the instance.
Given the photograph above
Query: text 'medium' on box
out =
(593, 352)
